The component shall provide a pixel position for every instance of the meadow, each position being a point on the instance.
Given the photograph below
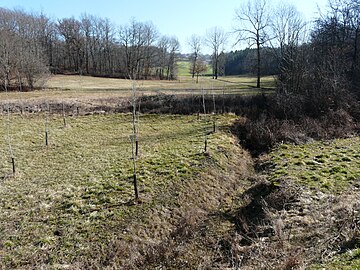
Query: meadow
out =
(70, 199)
(70, 205)
(96, 90)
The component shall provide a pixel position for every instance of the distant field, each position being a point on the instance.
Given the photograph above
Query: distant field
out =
(184, 69)
(70, 88)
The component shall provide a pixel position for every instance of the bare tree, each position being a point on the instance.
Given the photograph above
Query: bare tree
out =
(253, 23)
(163, 48)
(7, 57)
(70, 30)
(200, 67)
(195, 46)
(136, 40)
(168, 47)
(134, 140)
(162, 52)
(150, 35)
(45, 36)
(171, 72)
(343, 21)
(22, 61)
(216, 39)
(289, 30)
(288, 26)
(86, 27)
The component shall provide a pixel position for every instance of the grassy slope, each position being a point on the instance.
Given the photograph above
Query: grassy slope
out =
(184, 69)
(330, 166)
(69, 205)
(69, 201)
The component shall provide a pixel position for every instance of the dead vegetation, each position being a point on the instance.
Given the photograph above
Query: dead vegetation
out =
(287, 226)
(268, 226)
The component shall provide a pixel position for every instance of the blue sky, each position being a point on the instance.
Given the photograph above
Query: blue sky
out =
(181, 18)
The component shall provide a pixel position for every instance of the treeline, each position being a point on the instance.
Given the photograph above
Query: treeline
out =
(318, 85)
(32, 45)
(326, 70)
(321, 64)
(242, 62)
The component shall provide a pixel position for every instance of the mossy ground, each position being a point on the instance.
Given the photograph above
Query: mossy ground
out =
(71, 197)
(329, 166)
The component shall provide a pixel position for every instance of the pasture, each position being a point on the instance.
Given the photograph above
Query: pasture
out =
(69, 200)
(70, 205)
(184, 69)
(82, 89)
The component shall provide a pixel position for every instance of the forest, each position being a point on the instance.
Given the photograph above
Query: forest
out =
(33, 45)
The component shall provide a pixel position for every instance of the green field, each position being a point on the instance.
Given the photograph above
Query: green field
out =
(184, 69)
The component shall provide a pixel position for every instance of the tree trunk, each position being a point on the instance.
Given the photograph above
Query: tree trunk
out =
(258, 64)
(216, 67)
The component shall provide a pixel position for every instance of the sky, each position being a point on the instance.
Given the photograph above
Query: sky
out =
(180, 18)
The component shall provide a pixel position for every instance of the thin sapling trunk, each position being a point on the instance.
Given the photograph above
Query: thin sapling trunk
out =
(8, 123)
(64, 116)
(47, 126)
(134, 141)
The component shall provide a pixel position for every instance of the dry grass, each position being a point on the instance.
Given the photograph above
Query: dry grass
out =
(71, 88)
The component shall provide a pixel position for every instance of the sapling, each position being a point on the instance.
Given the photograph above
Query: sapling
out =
(134, 140)
(47, 125)
(8, 138)
(214, 111)
(11, 152)
(223, 100)
(64, 116)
